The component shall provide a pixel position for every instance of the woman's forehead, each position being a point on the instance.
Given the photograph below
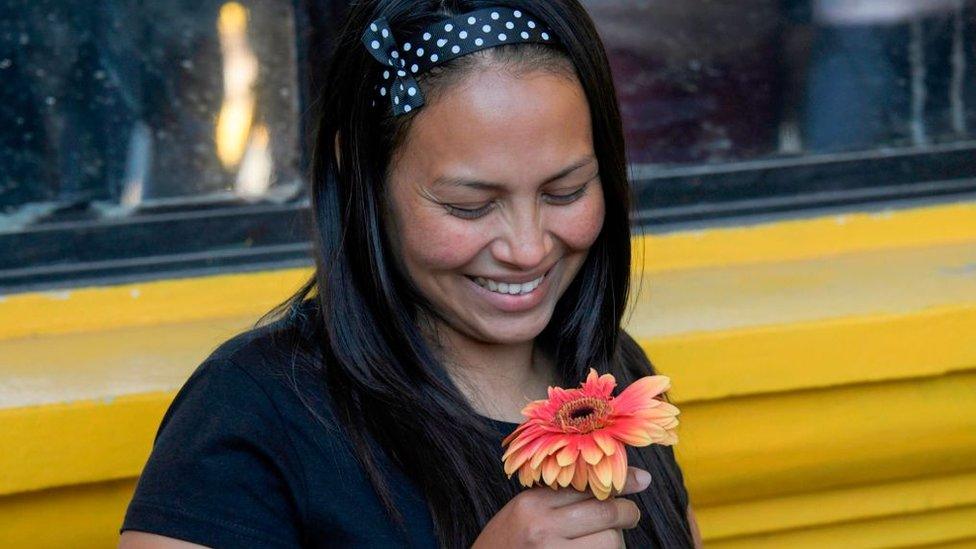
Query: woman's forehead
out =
(495, 124)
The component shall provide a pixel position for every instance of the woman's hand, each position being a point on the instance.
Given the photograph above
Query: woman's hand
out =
(543, 517)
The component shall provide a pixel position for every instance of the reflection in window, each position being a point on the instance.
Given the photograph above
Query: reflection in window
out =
(108, 104)
(725, 80)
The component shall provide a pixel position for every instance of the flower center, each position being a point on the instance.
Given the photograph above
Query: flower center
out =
(582, 415)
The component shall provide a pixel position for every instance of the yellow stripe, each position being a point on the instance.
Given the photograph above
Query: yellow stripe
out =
(146, 303)
(87, 516)
(179, 300)
(903, 531)
(824, 507)
(807, 238)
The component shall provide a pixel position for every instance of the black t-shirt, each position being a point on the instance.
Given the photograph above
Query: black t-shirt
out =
(240, 461)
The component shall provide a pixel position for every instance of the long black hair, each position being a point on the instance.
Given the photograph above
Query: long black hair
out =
(387, 386)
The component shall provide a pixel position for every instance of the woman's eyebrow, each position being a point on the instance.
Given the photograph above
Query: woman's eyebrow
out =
(489, 185)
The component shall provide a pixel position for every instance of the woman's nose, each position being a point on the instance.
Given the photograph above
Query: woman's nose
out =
(525, 244)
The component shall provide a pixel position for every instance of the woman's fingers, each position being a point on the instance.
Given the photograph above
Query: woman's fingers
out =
(637, 481)
(608, 539)
(591, 516)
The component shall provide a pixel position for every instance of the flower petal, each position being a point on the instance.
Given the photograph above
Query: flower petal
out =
(605, 441)
(550, 470)
(599, 386)
(604, 472)
(618, 465)
(640, 393)
(567, 454)
(591, 452)
(565, 475)
(580, 475)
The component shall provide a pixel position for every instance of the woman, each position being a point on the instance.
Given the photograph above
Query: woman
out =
(470, 200)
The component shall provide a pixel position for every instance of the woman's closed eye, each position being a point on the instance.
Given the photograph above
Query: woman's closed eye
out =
(480, 211)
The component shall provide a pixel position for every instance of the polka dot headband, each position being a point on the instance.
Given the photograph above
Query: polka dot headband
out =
(441, 42)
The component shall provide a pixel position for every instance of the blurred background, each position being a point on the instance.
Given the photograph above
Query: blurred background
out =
(805, 182)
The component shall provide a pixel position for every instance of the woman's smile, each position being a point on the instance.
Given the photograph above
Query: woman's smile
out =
(511, 297)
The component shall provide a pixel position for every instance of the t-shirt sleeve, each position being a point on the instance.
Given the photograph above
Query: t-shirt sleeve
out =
(222, 472)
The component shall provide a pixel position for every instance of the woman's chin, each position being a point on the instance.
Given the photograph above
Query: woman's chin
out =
(507, 333)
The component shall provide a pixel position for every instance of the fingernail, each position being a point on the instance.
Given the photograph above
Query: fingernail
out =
(643, 477)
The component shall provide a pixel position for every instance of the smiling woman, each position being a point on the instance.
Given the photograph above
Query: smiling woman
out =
(473, 247)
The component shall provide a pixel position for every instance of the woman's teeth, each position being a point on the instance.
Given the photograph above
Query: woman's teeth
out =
(508, 288)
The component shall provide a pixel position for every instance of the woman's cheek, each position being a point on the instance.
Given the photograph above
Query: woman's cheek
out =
(443, 244)
(579, 226)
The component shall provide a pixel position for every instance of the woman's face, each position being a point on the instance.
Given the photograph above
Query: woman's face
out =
(495, 199)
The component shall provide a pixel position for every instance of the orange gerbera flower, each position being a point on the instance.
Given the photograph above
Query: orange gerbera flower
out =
(577, 436)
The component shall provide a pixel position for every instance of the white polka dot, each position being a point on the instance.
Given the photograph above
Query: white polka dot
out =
(373, 27)
(502, 37)
(406, 47)
(383, 91)
(486, 28)
(406, 108)
(426, 36)
(455, 49)
(517, 13)
(420, 52)
(531, 24)
(448, 27)
(478, 41)
(412, 91)
(441, 42)
(463, 34)
(396, 100)
(509, 25)
(433, 57)
(401, 87)
(471, 20)
(525, 35)
(394, 54)
(375, 44)
(385, 33)
(386, 75)
(414, 68)
(494, 15)
(401, 73)
(545, 36)
(403, 62)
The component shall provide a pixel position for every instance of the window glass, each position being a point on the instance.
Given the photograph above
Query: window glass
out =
(110, 105)
(704, 81)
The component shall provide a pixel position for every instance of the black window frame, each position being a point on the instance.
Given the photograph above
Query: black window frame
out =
(191, 238)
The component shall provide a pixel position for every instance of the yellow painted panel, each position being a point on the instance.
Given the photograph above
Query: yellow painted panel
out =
(79, 517)
(969, 543)
(803, 238)
(808, 355)
(902, 531)
(146, 303)
(80, 442)
(250, 294)
(773, 445)
(822, 507)
(872, 283)
(62, 368)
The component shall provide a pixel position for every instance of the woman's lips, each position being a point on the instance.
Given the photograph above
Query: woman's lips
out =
(512, 303)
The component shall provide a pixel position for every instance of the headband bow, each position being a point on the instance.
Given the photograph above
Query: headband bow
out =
(441, 42)
(404, 91)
